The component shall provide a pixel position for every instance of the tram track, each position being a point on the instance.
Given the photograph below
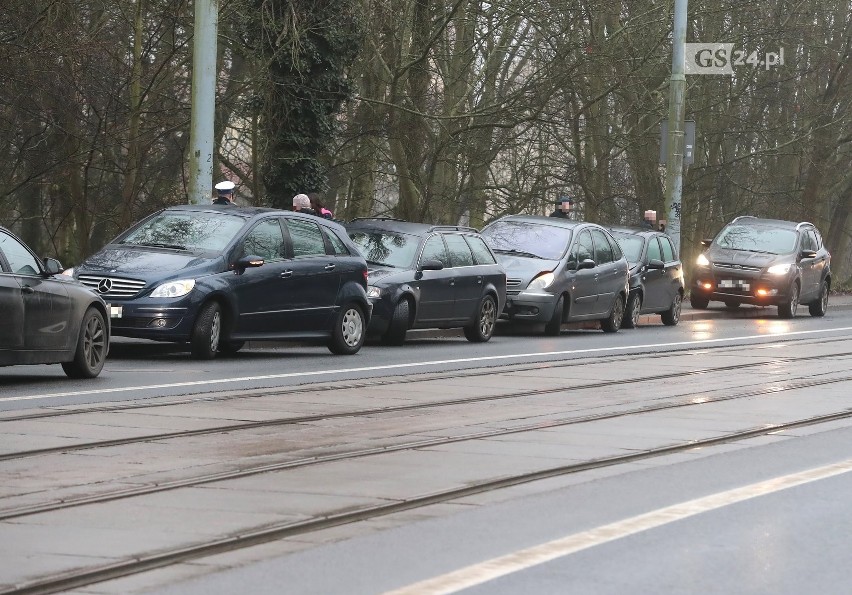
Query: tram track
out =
(274, 531)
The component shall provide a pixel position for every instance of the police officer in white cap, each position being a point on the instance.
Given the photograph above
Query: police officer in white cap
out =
(225, 193)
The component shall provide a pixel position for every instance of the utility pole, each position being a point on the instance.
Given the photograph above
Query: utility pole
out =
(677, 91)
(203, 101)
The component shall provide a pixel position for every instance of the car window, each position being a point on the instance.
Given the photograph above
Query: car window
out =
(631, 245)
(616, 248)
(460, 254)
(386, 248)
(757, 238)
(817, 238)
(306, 237)
(337, 245)
(528, 239)
(603, 251)
(21, 260)
(434, 249)
(583, 249)
(184, 229)
(668, 249)
(265, 240)
(480, 250)
(654, 252)
(808, 241)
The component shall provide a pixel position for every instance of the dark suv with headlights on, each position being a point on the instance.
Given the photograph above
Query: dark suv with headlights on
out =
(765, 262)
(559, 271)
(216, 276)
(656, 275)
(429, 276)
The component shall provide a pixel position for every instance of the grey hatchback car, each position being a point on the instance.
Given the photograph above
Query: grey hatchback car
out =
(559, 271)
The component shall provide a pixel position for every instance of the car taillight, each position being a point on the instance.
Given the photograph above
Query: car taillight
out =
(366, 274)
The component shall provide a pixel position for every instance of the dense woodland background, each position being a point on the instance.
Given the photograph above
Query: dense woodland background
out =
(430, 110)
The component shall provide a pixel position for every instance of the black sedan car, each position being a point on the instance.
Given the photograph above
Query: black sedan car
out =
(216, 276)
(47, 319)
(656, 275)
(559, 271)
(429, 276)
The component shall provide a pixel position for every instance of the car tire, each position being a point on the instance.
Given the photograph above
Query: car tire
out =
(631, 313)
(612, 323)
(553, 328)
(698, 302)
(207, 332)
(732, 304)
(349, 330)
(788, 309)
(398, 327)
(672, 316)
(486, 318)
(92, 347)
(819, 307)
(231, 347)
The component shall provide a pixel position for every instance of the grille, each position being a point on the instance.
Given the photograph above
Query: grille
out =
(736, 267)
(112, 287)
(513, 282)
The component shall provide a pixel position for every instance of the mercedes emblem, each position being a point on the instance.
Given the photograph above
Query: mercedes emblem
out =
(104, 285)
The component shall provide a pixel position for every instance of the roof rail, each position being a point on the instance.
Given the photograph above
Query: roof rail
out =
(452, 228)
(377, 219)
(743, 217)
(803, 223)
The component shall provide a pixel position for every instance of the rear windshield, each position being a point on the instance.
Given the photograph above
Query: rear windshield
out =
(757, 238)
(631, 245)
(386, 248)
(187, 231)
(532, 240)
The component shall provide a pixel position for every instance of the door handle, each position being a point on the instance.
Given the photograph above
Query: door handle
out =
(479, 280)
(286, 274)
(329, 267)
(27, 289)
(452, 281)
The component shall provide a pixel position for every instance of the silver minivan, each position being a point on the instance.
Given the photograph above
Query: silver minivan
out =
(559, 271)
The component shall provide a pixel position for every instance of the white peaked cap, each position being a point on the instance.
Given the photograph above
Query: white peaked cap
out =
(225, 186)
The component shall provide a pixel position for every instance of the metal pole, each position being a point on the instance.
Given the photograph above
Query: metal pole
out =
(677, 91)
(203, 101)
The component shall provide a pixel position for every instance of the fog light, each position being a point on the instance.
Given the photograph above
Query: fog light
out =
(158, 322)
(762, 292)
(707, 285)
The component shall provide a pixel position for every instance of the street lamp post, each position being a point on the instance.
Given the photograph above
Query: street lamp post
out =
(203, 101)
(677, 91)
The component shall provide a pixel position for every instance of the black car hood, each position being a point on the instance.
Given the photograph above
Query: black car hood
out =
(148, 264)
(387, 275)
(740, 257)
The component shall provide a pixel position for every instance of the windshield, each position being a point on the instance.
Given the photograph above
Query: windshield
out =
(757, 238)
(631, 245)
(386, 248)
(528, 239)
(187, 231)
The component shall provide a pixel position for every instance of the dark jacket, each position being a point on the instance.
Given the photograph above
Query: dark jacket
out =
(559, 213)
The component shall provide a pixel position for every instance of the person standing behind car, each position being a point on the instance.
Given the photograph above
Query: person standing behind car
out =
(563, 211)
(225, 193)
(316, 205)
(302, 204)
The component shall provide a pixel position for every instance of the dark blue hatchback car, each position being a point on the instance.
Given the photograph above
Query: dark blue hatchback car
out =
(216, 276)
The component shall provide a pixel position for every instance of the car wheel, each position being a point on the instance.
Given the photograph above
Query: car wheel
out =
(207, 332)
(231, 347)
(819, 307)
(732, 304)
(349, 331)
(92, 347)
(788, 309)
(398, 327)
(698, 302)
(631, 313)
(554, 326)
(483, 329)
(612, 323)
(672, 316)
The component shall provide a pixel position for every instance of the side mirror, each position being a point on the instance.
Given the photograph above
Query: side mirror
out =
(248, 262)
(706, 243)
(51, 266)
(807, 254)
(656, 264)
(586, 264)
(431, 265)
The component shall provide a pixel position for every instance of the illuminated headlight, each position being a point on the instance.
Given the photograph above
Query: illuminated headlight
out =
(68, 272)
(779, 269)
(174, 289)
(702, 261)
(543, 281)
(373, 291)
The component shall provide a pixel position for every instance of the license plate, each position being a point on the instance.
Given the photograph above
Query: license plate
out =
(115, 311)
(734, 283)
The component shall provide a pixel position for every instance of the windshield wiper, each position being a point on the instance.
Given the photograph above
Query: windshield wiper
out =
(162, 245)
(519, 253)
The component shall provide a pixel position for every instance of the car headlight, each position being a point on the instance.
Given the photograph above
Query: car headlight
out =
(702, 261)
(779, 269)
(543, 281)
(173, 289)
(373, 291)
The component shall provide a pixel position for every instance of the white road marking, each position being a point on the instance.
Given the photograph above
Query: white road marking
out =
(483, 572)
(124, 389)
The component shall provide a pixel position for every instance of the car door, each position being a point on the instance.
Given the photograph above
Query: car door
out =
(672, 272)
(436, 288)
(47, 306)
(468, 278)
(811, 272)
(315, 277)
(654, 280)
(12, 319)
(610, 277)
(582, 283)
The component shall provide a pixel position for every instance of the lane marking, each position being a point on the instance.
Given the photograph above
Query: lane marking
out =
(124, 389)
(494, 568)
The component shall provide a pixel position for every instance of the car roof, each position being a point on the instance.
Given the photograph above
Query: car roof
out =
(751, 220)
(245, 211)
(542, 220)
(638, 231)
(402, 226)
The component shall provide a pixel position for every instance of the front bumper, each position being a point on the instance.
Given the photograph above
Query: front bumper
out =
(146, 318)
(763, 290)
(529, 306)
